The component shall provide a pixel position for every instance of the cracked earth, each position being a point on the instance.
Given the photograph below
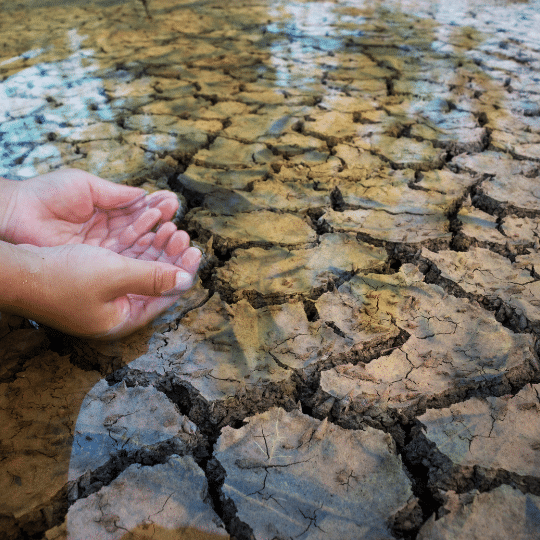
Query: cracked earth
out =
(359, 356)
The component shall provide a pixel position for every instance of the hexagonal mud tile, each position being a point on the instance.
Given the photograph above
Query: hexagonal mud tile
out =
(204, 180)
(394, 192)
(499, 514)
(404, 153)
(228, 153)
(454, 346)
(293, 144)
(121, 418)
(483, 273)
(494, 163)
(178, 145)
(331, 126)
(382, 226)
(531, 262)
(279, 273)
(522, 231)
(495, 433)
(269, 194)
(355, 159)
(162, 501)
(250, 128)
(115, 161)
(445, 181)
(479, 228)
(243, 230)
(518, 194)
(175, 107)
(290, 475)
(454, 140)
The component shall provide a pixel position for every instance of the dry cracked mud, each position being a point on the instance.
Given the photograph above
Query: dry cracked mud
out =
(359, 356)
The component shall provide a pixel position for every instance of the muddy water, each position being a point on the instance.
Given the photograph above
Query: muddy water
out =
(363, 180)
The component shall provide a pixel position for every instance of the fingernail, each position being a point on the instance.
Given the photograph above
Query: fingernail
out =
(183, 283)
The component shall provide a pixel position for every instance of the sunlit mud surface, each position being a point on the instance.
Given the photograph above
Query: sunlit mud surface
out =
(358, 359)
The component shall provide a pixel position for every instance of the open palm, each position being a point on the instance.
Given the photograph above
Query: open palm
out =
(74, 207)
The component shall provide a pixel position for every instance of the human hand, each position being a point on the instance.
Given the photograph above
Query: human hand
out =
(95, 293)
(71, 206)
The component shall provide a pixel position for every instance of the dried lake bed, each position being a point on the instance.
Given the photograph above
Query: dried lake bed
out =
(359, 356)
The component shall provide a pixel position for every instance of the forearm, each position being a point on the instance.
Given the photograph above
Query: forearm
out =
(21, 272)
(8, 196)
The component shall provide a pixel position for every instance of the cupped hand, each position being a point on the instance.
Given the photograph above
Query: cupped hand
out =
(71, 206)
(95, 293)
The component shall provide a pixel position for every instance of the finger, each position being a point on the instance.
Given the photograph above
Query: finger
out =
(166, 201)
(156, 197)
(178, 243)
(191, 259)
(138, 205)
(146, 278)
(163, 235)
(154, 251)
(140, 246)
(143, 309)
(144, 223)
(168, 208)
(122, 218)
(108, 195)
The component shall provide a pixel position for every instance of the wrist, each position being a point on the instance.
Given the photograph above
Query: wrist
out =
(21, 273)
(8, 198)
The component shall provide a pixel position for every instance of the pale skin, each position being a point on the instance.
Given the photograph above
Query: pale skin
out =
(90, 257)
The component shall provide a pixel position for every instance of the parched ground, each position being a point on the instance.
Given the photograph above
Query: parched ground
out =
(359, 357)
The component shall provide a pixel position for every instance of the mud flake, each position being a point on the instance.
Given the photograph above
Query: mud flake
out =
(228, 153)
(356, 159)
(500, 433)
(203, 180)
(484, 273)
(331, 126)
(38, 428)
(167, 497)
(114, 161)
(390, 191)
(502, 513)
(480, 227)
(329, 484)
(178, 145)
(389, 227)
(493, 163)
(406, 153)
(252, 128)
(519, 193)
(269, 194)
(452, 344)
(241, 229)
(524, 231)
(175, 107)
(445, 181)
(120, 418)
(222, 350)
(283, 272)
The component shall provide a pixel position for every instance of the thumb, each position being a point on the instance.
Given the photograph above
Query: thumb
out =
(149, 278)
(109, 195)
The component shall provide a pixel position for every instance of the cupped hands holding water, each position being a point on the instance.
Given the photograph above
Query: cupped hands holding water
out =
(90, 257)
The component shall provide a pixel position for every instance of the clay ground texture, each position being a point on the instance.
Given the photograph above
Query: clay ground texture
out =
(359, 357)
